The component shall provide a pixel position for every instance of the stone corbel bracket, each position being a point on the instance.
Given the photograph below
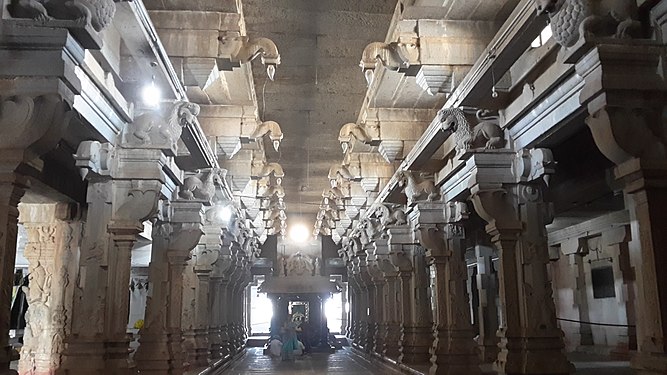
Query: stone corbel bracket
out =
(364, 134)
(340, 171)
(261, 170)
(532, 164)
(394, 56)
(243, 49)
(93, 159)
(270, 128)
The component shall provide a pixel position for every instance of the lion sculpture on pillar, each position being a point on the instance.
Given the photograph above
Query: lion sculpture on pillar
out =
(571, 19)
(486, 134)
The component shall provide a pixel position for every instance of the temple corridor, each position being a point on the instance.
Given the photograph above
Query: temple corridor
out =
(441, 187)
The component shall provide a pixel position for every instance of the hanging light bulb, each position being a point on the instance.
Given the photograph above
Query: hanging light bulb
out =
(276, 145)
(151, 94)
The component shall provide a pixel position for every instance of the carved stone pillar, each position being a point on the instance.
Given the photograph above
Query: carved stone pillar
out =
(416, 322)
(218, 302)
(29, 127)
(487, 312)
(392, 308)
(161, 339)
(190, 291)
(625, 92)
(453, 350)
(530, 340)
(379, 301)
(368, 296)
(54, 233)
(117, 209)
(353, 288)
(203, 265)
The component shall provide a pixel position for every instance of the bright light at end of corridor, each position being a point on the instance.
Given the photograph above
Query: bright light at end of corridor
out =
(299, 233)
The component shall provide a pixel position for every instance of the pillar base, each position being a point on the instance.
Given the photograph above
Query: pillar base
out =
(454, 352)
(380, 335)
(84, 356)
(392, 340)
(160, 353)
(532, 356)
(416, 344)
(649, 363)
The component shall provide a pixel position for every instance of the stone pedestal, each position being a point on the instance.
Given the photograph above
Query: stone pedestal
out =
(54, 232)
(161, 339)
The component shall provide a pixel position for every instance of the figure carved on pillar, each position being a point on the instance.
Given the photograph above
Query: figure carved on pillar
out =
(97, 13)
(390, 214)
(575, 19)
(414, 190)
(202, 185)
(486, 134)
(153, 130)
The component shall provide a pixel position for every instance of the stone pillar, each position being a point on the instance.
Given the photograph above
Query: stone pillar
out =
(54, 233)
(389, 328)
(453, 349)
(160, 350)
(416, 322)
(190, 291)
(218, 301)
(29, 127)
(487, 312)
(379, 303)
(530, 340)
(368, 295)
(204, 259)
(117, 209)
(353, 289)
(625, 93)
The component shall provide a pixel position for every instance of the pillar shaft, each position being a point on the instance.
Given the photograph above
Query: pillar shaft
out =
(51, 250)
(160, 350)
(530, 340)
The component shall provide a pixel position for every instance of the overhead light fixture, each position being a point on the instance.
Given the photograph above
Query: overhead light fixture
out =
(151, 95)
(225, 214)
(299, 233)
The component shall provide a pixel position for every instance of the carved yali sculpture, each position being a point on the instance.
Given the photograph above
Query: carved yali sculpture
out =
(391, 216)
(97, 13)
(202, 186)
(156, 131)
(486, 134)
(414, 190)
(571, 19)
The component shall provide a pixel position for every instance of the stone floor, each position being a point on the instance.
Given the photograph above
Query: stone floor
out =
(348, 362)
(343, 362)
